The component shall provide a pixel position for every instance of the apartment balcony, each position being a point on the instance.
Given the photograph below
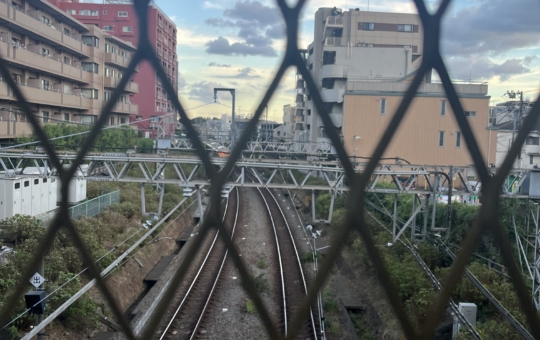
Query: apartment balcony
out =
(125, 107)
(118, 61)
(333, 71)
(334, 41)
(334, 21)
(332, 95)
(29, 22)
(54, 97)
(113, 82)
(30, 57)
(532, 149)
(11, 129)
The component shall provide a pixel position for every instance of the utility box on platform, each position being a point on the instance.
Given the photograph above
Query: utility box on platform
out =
(531, 184)
(469, 312)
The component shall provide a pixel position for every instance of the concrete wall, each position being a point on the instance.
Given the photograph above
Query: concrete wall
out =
(417, 137)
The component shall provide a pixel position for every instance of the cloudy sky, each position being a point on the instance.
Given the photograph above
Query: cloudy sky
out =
(240, 43)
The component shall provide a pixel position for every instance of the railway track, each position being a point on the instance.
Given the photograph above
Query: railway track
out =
(188, 316)
(291, 276)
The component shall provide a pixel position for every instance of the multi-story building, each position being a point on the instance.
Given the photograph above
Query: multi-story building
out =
(285, 132)
(65, 69)
(428, 133)
(119, 19)
(350, 46)
(507, 118)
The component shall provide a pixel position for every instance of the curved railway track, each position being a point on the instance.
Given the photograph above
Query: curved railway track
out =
(189, 313)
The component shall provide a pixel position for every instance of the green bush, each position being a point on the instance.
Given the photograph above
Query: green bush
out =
(250, 306)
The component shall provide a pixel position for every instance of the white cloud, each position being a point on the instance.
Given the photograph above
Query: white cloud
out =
(211, 5)
(188, 37)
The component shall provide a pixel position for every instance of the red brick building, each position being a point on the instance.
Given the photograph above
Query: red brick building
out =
(120, 19)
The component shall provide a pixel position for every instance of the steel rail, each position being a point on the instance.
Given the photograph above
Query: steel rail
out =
(297, 259)
(319, 299)
(166, 330)
(199, 321)
(283, 290)
(280, 263)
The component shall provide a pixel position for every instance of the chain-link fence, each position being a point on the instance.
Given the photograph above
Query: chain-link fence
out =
(486, 221)
(88, 208)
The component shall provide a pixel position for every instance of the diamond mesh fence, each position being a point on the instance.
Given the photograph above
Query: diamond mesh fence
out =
(485, 222)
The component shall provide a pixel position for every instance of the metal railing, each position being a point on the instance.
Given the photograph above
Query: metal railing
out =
(88, 208)
(487, 222)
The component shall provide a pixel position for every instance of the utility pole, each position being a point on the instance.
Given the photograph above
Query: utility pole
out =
(266, 132)
(512, 95)
(233, 124)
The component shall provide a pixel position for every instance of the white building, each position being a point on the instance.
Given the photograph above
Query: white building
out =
(353, 46)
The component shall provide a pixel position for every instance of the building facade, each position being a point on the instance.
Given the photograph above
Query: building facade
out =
(350, 46)
(507, 118)
(64, 68)
(119, 19)
(428, 133)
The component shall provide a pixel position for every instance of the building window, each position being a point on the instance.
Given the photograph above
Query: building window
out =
(66, 117)
(104, 12)
(45, 85)
(45, 115)
(470, 113)
(532, 141)
(405, 28)
(108, 28)
(107, 72)
(90, 93)
(122, 14)
(72, 11)
(106, 96)
(67, 31)
(45, 52)
(383, 106)
(67, 60)
(107, 48)
(111, 121)
(88, 12)
(443, 107)
(531, 159)
(90, 40)
(441, 138)
(369, 26)
(127, 29)
(45, 20)
(90, 67)
(122, 121)
(458, 139)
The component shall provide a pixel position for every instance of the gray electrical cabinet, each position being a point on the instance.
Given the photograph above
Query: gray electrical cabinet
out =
(531, 184)
(469, 312)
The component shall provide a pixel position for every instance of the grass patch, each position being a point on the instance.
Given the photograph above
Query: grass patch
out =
(261, 264)
(329, 303)
(250, 307)
(307, 257)
(362, 330)
(261, 284)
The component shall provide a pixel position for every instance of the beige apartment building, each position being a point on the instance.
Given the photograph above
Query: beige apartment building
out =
(429, 134)
(350, 46)
(67, 70)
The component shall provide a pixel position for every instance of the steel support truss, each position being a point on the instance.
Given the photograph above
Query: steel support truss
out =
(528, 247)
(261, 147)
(286, 174)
